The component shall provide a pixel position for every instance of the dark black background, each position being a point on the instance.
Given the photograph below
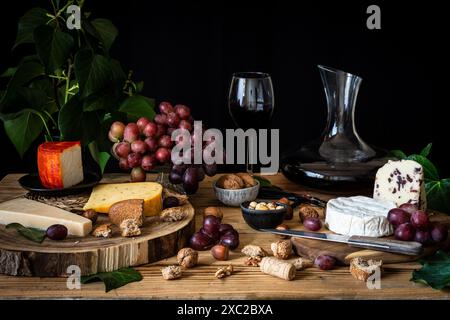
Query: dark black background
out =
(187, 51)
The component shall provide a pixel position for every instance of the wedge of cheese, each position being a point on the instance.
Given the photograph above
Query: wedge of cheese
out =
(59, 164)
(103, 196)
(38, 215)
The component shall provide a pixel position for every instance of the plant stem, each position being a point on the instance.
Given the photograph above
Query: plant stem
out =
(51, 118)
(43, 121)
(66, 93)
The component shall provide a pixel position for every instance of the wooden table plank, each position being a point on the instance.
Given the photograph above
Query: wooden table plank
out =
(246, 283)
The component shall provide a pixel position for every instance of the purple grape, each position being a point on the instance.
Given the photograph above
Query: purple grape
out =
(439, 233)
(230, 239)
(419, 219)
(312, 224)
(423, 237)
(190, 180)
(325, 262)
(213, 235)
(211, 224)
(175, 177)
(200, 241)
(224, 227)
(409, 207)
(405, 232)
(179, 168)
(210, 169)
(398, 216)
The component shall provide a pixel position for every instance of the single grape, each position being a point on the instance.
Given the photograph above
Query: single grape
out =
(142, 123)
(211, 224)
(419, 219)
(224, 227)
(175, 177)
(148, 162)
(185, 125)
(210, 169)
(179, 168)
(405, 232)
(134, 159)
(160, 119)
(152, 144)
(161, 130)
(200, 241)
(162, 155)
(190, 180)
(123, 164)
(139, 146)
(165, 107)
(312, 224)
(182, 111)
(398, 216)
(165, 141)
(150, 129)
(439, 233)
(172, 120)
(170, 202)
(131, 132)
(324, 262)
(214, 235)
(57, 232)
(408, 207)
(117, 130)
(230, 239)
(423, 237)
(122, 149)
(138, 175)
(111, 137)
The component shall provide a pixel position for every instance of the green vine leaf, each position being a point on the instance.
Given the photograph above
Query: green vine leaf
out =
(100, 157)
(138, 106)
(29, 21)
(92, 70)
(435, 271)
(114, 279)
(106, 31)
(33, 234)
(53, 46)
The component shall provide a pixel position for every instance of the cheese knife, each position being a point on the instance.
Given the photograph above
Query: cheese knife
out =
(382, 244)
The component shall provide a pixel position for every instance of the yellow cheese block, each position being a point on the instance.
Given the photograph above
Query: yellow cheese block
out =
(103, 196)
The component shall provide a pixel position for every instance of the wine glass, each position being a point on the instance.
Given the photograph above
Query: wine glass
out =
(251, 103)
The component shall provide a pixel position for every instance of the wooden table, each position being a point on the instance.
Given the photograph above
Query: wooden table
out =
(246, 283)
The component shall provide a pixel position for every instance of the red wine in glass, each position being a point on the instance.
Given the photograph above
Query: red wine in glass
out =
(251, 102)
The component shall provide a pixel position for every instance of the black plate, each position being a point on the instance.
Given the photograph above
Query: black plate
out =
(31, 182)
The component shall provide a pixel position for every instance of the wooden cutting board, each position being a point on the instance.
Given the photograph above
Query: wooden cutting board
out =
(344, 253)
(159, 240)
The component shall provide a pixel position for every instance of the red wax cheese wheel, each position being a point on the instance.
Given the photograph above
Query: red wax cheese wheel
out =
(59, 164)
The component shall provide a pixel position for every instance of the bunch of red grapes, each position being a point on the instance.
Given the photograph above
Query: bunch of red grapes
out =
(143, 145)
(213, 232)
(412, 224)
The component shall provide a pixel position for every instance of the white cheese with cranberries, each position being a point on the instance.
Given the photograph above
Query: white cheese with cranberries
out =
(402, 182)
(359, 216)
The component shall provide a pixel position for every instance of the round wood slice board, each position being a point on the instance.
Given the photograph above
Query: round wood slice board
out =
(22, 257)
(344, 253)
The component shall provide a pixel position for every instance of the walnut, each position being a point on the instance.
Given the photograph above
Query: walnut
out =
(224, 272)
(248, 179)
(307, 211)
(173, 214)
(171, 272)
(253, 251)
(103, 230)
(91, 215)
(281, 249)
(213, 211)
(230, 181)
(187, 257)
(130, 228)
(253, 261)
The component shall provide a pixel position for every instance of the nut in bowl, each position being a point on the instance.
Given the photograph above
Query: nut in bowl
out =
(261, 215)
(233, 189)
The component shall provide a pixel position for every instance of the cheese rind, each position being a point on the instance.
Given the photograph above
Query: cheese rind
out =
(359, 216)
(38, 215)
(103, 196)
(402, 182)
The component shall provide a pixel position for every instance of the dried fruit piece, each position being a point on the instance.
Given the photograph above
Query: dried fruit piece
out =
(173, 214)
(103, 230)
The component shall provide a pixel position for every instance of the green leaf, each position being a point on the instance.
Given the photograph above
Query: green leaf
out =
(23, 129)
(429, 169)
(29, 21)
(93, 71)
(138, 106)
(100, 157)
(53, 46)
(32, 234)
(106, 32)
(114, 279)
(74, 124)
(263, 182)
(397, 154)
(426, 151)
(8, 73)
(438, 195)
(435, 271)
(139, 86)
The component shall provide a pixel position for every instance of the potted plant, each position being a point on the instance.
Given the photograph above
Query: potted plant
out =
(68, 87)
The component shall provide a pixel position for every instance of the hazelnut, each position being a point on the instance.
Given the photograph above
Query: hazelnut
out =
(283, 227)
(261, 206)
(307, 211)
(213, 211)
(220, 252)
(252, 205)
(187, 257)
(91, 215)
(271, 206)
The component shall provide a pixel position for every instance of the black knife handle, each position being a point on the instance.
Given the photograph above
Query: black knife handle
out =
(389, 245)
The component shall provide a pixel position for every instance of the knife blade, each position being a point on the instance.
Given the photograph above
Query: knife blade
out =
(381, 244)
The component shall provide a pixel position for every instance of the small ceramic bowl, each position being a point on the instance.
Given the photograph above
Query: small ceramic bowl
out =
(234, 197)
(263, 219)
